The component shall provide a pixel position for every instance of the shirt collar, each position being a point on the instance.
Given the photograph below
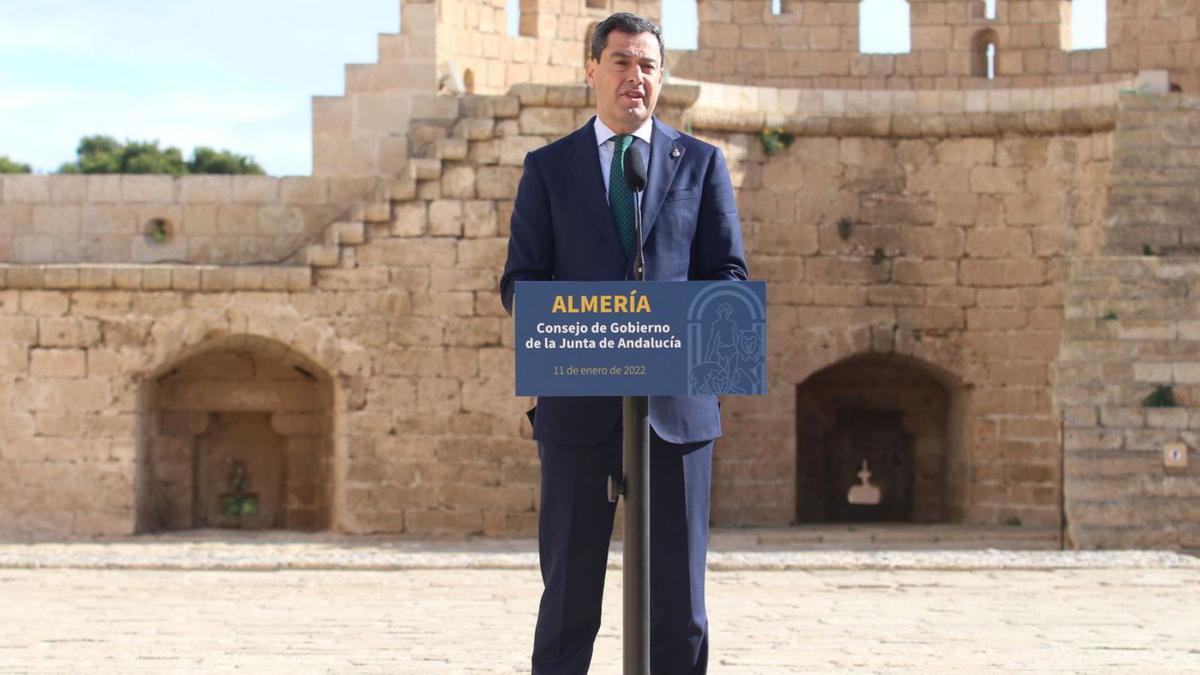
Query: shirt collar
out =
(603, 133)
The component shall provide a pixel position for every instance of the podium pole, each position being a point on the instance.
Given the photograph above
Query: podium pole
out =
(636, 572)
(636, 460)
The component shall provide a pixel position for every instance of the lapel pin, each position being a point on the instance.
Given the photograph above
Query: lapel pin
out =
(675, 153)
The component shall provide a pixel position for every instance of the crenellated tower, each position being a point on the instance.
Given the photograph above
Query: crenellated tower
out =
(447, 48)
(954, 45)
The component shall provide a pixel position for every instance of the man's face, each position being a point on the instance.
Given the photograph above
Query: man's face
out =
(627, 80)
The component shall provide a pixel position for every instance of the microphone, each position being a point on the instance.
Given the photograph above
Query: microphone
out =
(635, 179)
(635, 170)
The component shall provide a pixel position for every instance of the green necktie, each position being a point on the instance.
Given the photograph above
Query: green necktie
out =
(620, 197)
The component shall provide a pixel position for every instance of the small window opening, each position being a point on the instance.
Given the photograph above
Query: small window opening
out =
(681, 24)
(884, 27)
(984, 50)
(1083, 24)
(512, 10)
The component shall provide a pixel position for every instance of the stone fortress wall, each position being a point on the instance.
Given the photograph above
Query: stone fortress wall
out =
(1008, 271)
(816, 45)
(205, 219)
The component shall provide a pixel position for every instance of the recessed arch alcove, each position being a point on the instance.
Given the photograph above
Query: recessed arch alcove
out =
(236, 433)
(903, 418)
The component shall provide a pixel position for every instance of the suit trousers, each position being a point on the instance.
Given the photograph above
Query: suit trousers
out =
(575, 524)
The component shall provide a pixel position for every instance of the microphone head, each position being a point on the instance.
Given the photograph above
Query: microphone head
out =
(635, 170)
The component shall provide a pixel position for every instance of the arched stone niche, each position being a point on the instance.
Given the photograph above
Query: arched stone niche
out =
(236, 401)
(903, 417)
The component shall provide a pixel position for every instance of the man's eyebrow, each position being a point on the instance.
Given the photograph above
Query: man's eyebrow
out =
(635, 56)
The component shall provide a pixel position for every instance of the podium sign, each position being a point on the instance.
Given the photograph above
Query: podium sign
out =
(647, 338)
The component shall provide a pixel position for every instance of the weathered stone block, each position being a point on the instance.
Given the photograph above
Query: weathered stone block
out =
(68, 332)
(1146, 330)
(425, 168)
(474, 128)
(185, 278)
(403, 188)
(255, 189)
(28, 189)
(378, 211)
(322, 255)
(1167, 418)
(61, 221)
(44, 303)
(148, 189)
(479, 218)
(546, 121)
(446, 217)
(463, 279)
(205, 189)
(58, 363)
(409, 219)
(92, 277)
(504, 107)
(14, 360)
(496, 182)
(458, 182)
(1002, 272)
(991, 180)
(925, 272)
(432, 522)
(103, 189)
(451, 149)
(156, 278)
(1186, 373)
(303, 190)
(999, 243)
(300, 278)
(930, 318)
(489, 253)
(1032, 209)
(127, 277)
(997, 319)
(352, 233)
(513, 149)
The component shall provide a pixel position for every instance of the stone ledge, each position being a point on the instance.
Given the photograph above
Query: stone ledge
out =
(323, 551)
(149, 190)
(1086, 120)
(854, 102)
(197, 278)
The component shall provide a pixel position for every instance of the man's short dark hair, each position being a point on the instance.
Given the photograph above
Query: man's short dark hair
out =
(626, 23)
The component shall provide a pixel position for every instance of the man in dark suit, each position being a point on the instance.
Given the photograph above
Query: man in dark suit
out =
(573, 221)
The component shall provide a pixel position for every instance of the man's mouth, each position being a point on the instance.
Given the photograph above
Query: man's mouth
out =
(635, 95)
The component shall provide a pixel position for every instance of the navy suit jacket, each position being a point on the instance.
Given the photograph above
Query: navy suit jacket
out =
(562, 230)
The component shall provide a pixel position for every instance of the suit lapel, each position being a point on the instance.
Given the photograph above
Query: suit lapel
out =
(594, 192)
(665, 156)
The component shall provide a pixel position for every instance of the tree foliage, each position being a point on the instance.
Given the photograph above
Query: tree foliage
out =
(9, 166)
(104, 154)
(206, 160)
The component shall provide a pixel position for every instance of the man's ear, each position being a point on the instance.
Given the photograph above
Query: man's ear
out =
(590, 72)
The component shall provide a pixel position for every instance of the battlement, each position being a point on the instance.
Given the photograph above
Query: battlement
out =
(450, 48)
(954, 45)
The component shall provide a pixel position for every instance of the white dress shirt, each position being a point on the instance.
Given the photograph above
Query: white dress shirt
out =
(604, 139)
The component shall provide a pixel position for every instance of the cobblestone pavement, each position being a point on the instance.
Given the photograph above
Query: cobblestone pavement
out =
(76, 607)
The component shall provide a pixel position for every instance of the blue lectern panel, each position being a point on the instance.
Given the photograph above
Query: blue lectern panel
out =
(652, 338)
